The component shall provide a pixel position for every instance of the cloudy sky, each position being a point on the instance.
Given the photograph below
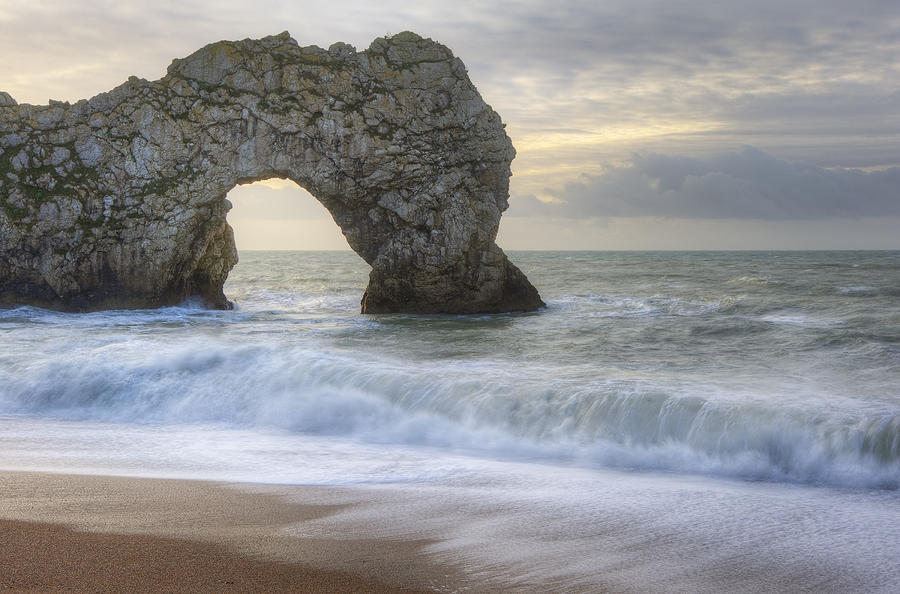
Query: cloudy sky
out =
(639, 124)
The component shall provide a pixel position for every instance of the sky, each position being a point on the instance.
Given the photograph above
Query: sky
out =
(639, 124)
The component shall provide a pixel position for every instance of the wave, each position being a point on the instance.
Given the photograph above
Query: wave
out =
(478, 407)
(753, 281)
(249, 305)
(857, 290)
(620, 307)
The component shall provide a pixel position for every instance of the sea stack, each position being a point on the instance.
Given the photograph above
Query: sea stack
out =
(119, 200)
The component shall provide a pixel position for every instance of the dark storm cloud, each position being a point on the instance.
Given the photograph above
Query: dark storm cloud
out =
(748, 184)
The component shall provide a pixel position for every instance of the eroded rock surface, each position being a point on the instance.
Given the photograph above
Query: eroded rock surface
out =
(119, 201)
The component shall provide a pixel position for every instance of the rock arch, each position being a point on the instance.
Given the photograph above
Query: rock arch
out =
(119, 201)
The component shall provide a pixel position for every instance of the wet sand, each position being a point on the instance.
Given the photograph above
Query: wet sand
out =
(101, 534)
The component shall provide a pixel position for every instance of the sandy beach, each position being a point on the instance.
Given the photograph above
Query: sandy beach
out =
(79, 533)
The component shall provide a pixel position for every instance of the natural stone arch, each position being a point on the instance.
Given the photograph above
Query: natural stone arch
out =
(119, 201)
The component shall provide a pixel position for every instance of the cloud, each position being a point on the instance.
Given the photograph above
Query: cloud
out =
(748, 184)
(816, 80)
(275, 200)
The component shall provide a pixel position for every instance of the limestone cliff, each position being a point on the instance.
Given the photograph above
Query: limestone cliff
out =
(119, 201)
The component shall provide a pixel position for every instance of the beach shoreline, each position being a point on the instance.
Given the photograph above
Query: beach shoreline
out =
(690, 422)
(107, 533)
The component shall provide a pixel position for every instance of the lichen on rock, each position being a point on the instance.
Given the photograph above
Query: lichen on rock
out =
(119, 200)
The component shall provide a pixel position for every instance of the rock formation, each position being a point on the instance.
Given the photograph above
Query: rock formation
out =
(119, 201)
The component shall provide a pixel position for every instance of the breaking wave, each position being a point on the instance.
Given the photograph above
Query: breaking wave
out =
(477, 407)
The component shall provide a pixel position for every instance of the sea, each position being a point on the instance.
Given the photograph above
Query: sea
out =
(671, 421)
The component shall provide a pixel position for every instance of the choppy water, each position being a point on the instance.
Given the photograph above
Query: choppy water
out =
(778, 367)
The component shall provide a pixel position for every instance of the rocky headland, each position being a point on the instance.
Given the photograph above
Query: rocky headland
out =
(120, 200)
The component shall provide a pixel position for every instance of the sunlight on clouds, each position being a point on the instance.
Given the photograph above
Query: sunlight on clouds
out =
(611, 133)
(276, 183)
(277, 214)
(58, 83)
(550, 140)
(277, 200)
(551, 157)
(287, 235)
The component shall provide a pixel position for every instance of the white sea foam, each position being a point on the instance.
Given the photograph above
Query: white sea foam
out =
(521, 526)
(754, 281)
(473, 406)
(623, 307)
(531, 528)
(857, 290)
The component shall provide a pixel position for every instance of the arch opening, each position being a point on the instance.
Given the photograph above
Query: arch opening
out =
(278, 214)
(291, 253)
